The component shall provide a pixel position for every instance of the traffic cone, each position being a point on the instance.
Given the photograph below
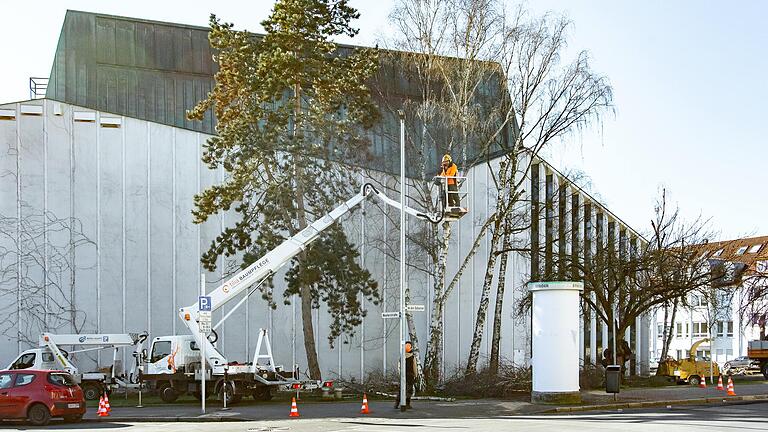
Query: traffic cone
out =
(720, 383)
(102, 411)
(703, 382)
(364, 409)
(731, 392)
(294, 408)
(107, 407)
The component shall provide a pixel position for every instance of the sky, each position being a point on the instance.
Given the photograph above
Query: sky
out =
(690, 82)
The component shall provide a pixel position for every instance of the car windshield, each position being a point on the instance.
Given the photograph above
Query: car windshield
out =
(61, 379)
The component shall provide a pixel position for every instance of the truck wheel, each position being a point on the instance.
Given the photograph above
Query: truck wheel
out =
(168, 394)
(262, 394)
(38, 415)
(764, 370)
(694, 380)
(92, 391)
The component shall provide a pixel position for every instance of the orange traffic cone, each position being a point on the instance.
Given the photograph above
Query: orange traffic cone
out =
(364, 409)
(294, 408)
(102, 411)
(731, 392)
(720, 383)
(107, 407)
(703, 382)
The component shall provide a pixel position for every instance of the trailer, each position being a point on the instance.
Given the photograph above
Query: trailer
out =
(690, 370)
(174, 366)
(50, 355)
(758, 350)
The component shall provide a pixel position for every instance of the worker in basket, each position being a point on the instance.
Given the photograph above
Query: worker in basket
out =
(449, 172)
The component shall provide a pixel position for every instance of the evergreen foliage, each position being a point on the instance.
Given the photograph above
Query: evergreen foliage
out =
(292, 109)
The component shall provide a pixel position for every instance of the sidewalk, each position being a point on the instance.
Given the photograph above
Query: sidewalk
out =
(592, 400)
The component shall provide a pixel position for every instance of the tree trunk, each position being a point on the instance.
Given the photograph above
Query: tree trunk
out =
(309, 333)
(493, 365)
(432, 360)
(306, 293)
(667, 339)
(482, 310)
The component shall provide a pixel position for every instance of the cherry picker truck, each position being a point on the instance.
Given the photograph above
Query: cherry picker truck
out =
(174, 364)
(50, 355)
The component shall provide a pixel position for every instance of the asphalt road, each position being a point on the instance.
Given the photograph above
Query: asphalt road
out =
(745, 418)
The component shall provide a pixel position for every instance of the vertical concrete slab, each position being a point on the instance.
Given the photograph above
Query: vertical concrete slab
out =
(162, 269)
(136, 226)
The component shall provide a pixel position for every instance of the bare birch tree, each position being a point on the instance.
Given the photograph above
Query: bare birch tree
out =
(448, 44)
(550, 99)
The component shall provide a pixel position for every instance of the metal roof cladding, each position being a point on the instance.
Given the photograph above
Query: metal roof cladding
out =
(156, 71)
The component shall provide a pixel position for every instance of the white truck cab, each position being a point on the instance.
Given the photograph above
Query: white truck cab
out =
(35, 358)
(167, 352)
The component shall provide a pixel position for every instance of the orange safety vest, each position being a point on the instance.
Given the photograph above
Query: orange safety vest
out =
(450, 173)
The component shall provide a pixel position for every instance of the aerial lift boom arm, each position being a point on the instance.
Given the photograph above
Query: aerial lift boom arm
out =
(91, 341)
(267, 265)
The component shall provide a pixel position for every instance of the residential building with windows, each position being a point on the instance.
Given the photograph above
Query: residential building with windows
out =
(719, 312)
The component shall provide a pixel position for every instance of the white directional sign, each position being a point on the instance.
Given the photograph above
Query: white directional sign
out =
(205, 326)
(415, 308)
(204, 321)
(388, 315)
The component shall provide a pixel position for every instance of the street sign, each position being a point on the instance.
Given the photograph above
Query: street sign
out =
(205, 327)
(388, 315)
(415, 308)
(205, 315)
(204, 303)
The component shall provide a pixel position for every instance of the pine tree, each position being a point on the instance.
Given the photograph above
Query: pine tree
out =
(292, 109)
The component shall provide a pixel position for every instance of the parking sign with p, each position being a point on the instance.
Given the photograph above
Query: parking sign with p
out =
(204, 303)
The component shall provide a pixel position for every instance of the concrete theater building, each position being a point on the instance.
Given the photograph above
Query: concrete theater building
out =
(96, 187)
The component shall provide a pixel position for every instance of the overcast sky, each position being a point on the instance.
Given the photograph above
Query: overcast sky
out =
(690, 81)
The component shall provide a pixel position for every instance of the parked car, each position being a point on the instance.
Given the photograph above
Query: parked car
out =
(653, 365)
(742, 364)
(38, 395)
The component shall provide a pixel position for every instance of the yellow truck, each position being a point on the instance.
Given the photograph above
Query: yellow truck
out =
(689, 370)
(758, 350)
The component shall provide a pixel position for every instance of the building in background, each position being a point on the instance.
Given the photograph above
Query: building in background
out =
(717, 313)
(97, 181)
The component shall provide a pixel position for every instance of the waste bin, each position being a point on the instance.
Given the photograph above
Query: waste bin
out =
(612, 378)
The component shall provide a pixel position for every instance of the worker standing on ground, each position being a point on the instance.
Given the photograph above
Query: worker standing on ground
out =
(410, 376)
(449, 172)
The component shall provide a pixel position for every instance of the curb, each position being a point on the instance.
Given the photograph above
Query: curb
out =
(210, 419)
(649, 404)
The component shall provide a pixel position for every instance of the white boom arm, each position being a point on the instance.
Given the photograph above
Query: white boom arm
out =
(95, 341)
(267, 265)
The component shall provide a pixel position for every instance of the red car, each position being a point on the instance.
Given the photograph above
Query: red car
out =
(38, 395)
